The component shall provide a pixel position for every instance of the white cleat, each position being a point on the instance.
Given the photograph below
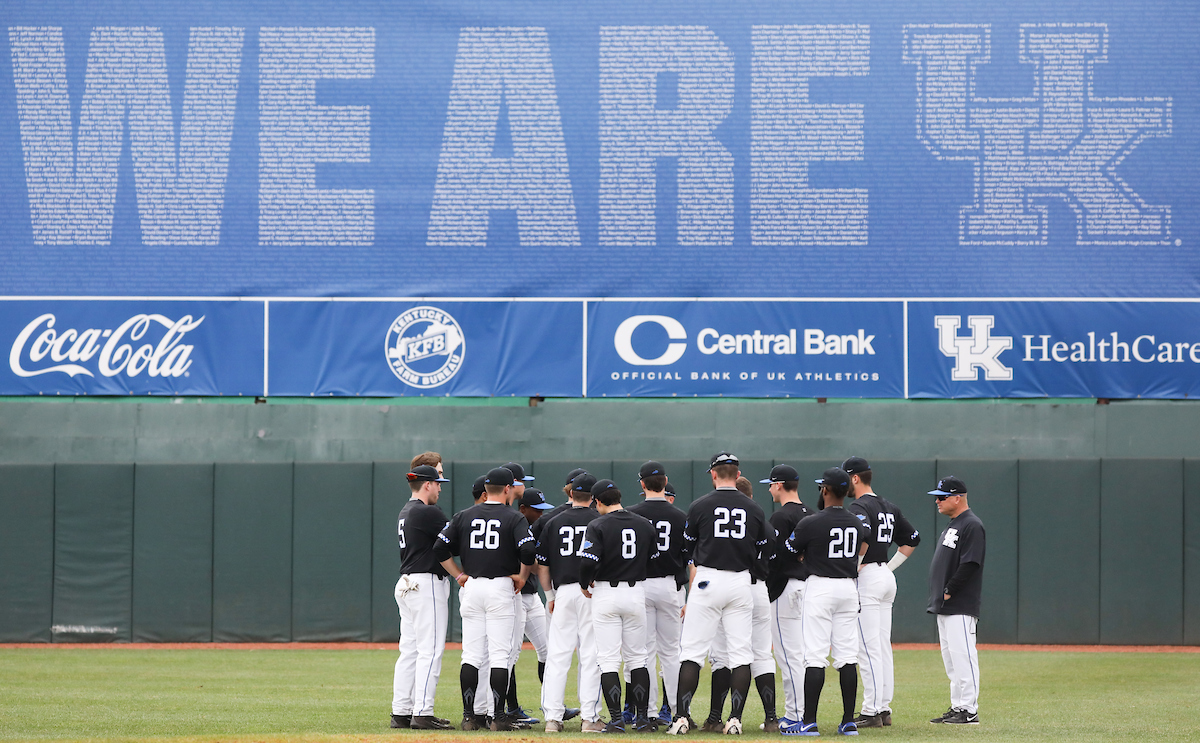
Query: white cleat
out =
(733, 726)
(679, 727)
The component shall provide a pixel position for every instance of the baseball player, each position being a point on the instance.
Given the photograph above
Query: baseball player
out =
(785, 590)
(617, 550)
(559, 554)
(665, 579)
(831, 543)
(531, 614)
(877, 591)
(422, 594)
(726, 533)
(955, 584)
(497, 551)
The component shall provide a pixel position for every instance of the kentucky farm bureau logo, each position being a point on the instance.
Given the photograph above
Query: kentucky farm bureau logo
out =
(425, 347)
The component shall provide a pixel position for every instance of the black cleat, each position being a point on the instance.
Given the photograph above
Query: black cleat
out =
(571, 713)
(886, 716)
(428, 722)
(474, 722)
(948, 713)
(614, 726)
(401, 721)
(962, 717)
(644, 725)
(506, 723)
(869, 721)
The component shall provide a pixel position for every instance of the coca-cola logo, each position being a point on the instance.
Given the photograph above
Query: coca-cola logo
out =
(116, 351)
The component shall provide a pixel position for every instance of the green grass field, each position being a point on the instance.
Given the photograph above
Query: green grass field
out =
(344, 695)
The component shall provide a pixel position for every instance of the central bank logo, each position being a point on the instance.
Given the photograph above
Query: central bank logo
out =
(623, 340)
(1063, 143)
(979, 350)
(425, 347)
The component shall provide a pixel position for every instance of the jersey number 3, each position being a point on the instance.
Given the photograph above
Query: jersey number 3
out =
(843, 542)
(485, 535)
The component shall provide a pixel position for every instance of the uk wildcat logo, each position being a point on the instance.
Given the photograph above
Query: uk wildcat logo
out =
(425, 347)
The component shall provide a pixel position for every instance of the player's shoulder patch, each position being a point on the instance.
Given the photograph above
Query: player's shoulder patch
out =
(861, 516)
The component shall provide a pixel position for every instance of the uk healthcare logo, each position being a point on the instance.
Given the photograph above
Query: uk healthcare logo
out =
(425, 347)
(978, 351)
(1063, 143)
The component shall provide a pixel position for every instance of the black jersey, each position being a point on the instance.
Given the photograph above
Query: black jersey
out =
(418, 529)
(560, 547)
(727, 531)
(669, 522)
(619, 547)
(829, 541)
(531, 585)
(963, 541)
(491, 539)
(887, 525)
(785, 566)
(536, 527)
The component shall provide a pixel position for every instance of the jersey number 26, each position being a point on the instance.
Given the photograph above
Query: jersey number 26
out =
(485, 534)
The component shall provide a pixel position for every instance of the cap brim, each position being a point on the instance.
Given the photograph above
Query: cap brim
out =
(527, 478)
(940, 492)
(820, 482)
(543, 506)
(767, 480)
(441, 479)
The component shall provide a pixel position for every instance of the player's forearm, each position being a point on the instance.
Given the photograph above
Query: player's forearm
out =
(906, 550)
(452, 568)
(543, 573)
(961, 576)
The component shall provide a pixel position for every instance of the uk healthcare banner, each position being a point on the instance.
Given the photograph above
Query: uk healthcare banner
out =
(1054, 349)
(748, 349)
(396, 349)
(64, 347)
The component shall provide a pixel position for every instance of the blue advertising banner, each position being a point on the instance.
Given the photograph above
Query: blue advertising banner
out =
(745, 349)
(64, 347)
(1054, 349)
(395, 349)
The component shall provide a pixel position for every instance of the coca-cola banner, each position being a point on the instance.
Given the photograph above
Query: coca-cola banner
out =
(65, 347)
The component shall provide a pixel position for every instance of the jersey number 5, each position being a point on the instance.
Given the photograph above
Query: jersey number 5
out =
(843, 542)
(724, 518)
(485, 534)
(402, 544)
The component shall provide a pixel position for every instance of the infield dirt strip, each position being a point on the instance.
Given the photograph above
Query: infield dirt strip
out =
(527, 646)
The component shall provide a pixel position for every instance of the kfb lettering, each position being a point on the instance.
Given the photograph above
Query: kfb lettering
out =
(115, 351)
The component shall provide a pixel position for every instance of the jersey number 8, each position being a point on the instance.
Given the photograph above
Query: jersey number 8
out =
(724, 517)
(628, 544)
(843, 542)
(485, 534)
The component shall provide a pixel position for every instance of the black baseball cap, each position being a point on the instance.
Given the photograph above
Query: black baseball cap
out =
(723, 457)
(651, 468)
(836, 479)
(950, 486)
(783, 473)
(573, 474)
(534, 498)
(669, 489)
(604, 486)
(856, 465)
(518, 472)
(425, 472)
(499, 476)
(477, 488)
(583, 483)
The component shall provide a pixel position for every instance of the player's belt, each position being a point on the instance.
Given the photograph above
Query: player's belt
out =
(615, 583)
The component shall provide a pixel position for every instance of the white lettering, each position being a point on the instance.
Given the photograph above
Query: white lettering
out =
(168, 358)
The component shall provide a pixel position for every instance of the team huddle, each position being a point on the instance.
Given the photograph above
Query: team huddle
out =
(636, 587)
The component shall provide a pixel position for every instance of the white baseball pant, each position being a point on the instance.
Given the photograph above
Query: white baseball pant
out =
(531, 622)
(719, 598)
(829, 626)
(876, 594)
(422, 599)
(664, 601)
(957, 633)
(619, 624)
(488, 613)
(570, 631)
(788, 638)
(760, 636)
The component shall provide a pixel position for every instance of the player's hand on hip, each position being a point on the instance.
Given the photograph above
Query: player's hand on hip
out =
(518, 582)
(945, 597)
(461, 579)
(586, 592)
(550, 607)
(683, 611)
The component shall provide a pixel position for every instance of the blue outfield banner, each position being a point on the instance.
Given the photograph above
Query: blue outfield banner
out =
(65, 347)
(745, 349)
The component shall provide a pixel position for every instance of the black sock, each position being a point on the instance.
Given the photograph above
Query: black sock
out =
(766, 692)
(541, 671)
(640, 681)
(629, 694)
(468, 679)
(689, 679)
(666, 702)
(610, 684)
(511, 696)
(720, 689)
(499, 681)
(849, 677)
(740, 686)
(814, 681)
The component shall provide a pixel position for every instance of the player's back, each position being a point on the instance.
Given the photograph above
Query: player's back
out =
(887, 525)
(417, 528)
(726, 531)
(829, 541)
(561, 545)
(785, 565)
(491, 539)
(621, 543)
(669, 523)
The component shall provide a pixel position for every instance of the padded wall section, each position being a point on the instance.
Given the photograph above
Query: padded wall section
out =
(390, 492)
(993, 496)
(331, 552)
(1059, 573)
(1191, 551)
(26, 552)
(252, 553)
(93, 552)
(1141, 552)
(172, 552)
(905, 484)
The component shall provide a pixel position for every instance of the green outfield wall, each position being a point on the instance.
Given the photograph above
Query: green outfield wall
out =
(195, 521)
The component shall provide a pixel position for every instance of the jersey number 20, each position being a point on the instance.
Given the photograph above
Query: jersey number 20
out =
(843, 542)
(724, 518)
(485, 534)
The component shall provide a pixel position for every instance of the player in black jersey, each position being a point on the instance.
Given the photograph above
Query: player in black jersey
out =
(665, 579)
(726, 533)
(830, 543)
(877, 590)
(497, 551)
(617, 552)
(785, 589)
(531, 619)
(559, 554)
(421, 595)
